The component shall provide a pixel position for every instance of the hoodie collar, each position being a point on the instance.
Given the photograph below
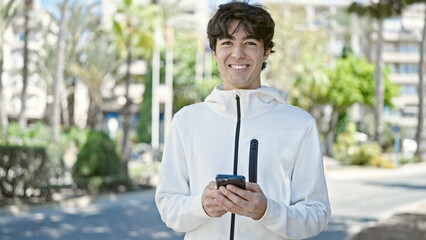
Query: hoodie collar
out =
(253, 102)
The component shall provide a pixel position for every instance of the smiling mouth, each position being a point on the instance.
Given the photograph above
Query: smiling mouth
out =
(239, 67)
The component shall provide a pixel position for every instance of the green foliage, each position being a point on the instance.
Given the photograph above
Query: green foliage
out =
(351, 152)
(343, 122)
(299, 52)
(185, 88)
(380, 9)
(365, 153)
(134, 34)
(74, 136)
(97, 157)
(23, 168)
(357, 73)
(144, 125)
(36, 135)
(30, 163)
(98, 165)
(312, 83)
(344, 142)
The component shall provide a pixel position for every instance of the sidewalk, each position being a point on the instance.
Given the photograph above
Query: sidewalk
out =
(405, 223)
(402, 226)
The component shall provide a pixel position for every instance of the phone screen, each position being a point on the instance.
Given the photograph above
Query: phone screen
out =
(236, 180)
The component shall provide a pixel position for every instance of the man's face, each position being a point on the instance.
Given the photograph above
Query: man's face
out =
(240, 59)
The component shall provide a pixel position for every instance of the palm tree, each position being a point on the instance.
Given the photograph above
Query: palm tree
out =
(82, 20)
(22, 120)
(378, 11)
(134, 38)
(99, 61)
(6, 15)
(59, 73)
(170, 10)
(421, 148)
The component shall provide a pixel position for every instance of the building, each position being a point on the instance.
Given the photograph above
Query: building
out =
(401, 52)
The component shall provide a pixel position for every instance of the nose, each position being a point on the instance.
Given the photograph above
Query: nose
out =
(238, 51)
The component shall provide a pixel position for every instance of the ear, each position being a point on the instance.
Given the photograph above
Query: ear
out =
(266, 55)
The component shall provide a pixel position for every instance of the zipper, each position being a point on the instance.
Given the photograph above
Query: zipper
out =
(237, 141)
(237, 135)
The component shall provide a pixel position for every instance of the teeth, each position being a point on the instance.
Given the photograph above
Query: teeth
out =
(238, 67)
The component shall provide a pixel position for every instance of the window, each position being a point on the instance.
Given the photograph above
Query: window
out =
(409, 48)
(408, 68)
(409, 90)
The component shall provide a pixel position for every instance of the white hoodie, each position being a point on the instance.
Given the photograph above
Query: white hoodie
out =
(290, 170)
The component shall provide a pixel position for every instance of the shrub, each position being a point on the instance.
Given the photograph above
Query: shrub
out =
(29, 163)
(351, 152)
(22, 169)
(365, 153)
(98, 165)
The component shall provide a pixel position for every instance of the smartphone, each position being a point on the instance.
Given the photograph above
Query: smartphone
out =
(236, 180)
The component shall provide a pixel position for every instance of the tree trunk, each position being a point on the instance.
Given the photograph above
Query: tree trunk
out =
(64, 109)
(127, 118)
(59, 75)
(22, 120)
(3, 113)
(421, 148)
(71, 102)
(380, 89)
(94, 118)
(168, 108)
(329, 138)
(155, 109)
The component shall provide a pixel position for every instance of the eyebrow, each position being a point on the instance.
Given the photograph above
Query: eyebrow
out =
(245, 38)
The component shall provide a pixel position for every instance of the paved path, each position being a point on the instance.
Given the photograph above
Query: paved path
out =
(358, 197)
(117, 217)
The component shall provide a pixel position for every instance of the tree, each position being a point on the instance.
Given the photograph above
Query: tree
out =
(7, 13)
(134, 35)
(293, 45)
(98, 60)
(421, 148)
(22, 119)
(357, 73)
(81, 23)
(59, 73)
(378, 11)
(186, 90)
(383, 9)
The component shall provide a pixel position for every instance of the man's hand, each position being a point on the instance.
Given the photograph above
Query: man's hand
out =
(250, 203)
(209, 201)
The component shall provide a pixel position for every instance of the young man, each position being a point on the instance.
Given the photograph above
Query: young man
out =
(289, 200)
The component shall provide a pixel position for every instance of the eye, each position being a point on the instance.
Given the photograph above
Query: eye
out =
(225, 43)
(251, 43)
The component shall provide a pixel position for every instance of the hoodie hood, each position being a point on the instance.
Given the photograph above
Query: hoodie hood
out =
(253, 102)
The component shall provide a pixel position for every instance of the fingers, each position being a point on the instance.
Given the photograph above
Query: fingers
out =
(251, 202)
(253, 187)
(209, 202)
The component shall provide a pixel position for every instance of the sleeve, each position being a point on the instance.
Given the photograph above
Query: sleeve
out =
(309, 209)
(180, 210)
